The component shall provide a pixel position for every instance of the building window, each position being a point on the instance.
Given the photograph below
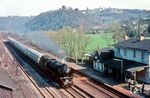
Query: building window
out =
(142, 55)
(118, 50)
(134, 53)
(125, 52)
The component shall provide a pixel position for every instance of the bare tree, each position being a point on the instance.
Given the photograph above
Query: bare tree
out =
(72, 41)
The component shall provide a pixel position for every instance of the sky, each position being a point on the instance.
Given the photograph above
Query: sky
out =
(35, 7)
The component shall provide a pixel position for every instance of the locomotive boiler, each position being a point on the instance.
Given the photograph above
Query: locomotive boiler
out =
(61, 72)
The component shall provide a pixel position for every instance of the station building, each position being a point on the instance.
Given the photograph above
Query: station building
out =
(100, 56)
(131, 59)
(137, 52)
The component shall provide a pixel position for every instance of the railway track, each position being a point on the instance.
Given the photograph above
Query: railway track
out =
(72, 92)
(101, 86)
(78, 92)
(84, 87)
(38, 83)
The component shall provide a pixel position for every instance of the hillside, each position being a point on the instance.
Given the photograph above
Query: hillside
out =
(58, 19)
(98, 18)
(13, 23)
(107, 15)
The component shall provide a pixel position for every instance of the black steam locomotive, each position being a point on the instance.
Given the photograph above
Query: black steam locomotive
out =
(62, 73)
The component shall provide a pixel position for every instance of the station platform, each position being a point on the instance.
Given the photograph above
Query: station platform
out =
(92, 73)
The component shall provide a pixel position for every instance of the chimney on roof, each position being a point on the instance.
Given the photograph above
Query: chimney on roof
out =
(141, 37)
(126, 37)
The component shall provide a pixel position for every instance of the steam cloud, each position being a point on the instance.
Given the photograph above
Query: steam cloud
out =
(45, 43)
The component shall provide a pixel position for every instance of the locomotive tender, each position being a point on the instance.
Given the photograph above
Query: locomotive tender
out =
(61, 72)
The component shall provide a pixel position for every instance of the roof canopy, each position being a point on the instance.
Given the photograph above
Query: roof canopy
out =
(127, 65)
(113, 63)
(136, 67)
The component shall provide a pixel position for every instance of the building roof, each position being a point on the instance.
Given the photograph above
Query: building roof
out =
(5, 93)
(136, 67)
(103, 54)
(136, 44)
(5, 80)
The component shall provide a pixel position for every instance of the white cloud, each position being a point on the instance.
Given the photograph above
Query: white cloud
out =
(34, 7)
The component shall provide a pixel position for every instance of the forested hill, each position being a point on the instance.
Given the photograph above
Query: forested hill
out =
(107, 15)
(98, 18)
(13, 23)
(58, 19)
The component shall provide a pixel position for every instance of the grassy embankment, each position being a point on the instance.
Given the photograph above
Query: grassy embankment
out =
(99, 41)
